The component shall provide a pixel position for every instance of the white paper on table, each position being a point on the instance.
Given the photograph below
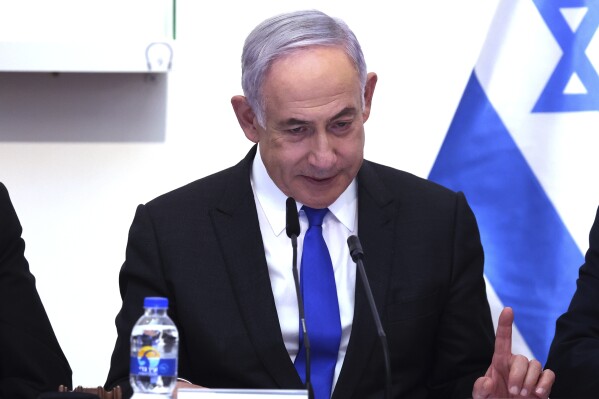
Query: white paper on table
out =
(199, 393)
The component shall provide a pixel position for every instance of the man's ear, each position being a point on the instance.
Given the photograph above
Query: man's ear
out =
(245, 117)
(371, 80)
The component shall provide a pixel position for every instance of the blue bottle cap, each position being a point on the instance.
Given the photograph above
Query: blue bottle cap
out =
(155, 302)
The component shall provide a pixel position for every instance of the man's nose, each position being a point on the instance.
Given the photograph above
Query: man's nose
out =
(322, 151)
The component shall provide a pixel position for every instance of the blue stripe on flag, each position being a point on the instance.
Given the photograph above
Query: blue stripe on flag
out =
(530, 257)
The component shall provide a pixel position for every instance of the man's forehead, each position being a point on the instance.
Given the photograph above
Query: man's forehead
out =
(301, 56)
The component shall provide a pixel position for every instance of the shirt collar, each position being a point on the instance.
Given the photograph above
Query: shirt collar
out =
(273, 200)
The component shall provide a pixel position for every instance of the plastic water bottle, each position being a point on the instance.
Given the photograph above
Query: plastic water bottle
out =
(154, 350)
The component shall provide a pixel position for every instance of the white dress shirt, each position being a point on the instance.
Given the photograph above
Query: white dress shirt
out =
(338, 224)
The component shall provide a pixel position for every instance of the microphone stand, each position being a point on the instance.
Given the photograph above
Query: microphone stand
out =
(300, 304)
(356, 253)
(293, 230)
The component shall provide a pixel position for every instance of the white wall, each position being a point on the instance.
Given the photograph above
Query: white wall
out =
(78, 152)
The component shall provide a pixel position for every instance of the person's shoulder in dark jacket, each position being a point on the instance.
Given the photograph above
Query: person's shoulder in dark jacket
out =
(574, 352)
(31, 360)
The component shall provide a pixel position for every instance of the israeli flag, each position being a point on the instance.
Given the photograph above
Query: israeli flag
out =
(524, 148)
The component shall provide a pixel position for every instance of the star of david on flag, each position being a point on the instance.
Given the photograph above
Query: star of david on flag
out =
(523, 146)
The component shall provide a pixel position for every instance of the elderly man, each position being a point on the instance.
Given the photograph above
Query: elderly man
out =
(217, 247)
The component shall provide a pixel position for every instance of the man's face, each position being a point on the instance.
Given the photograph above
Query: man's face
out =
(313, 141)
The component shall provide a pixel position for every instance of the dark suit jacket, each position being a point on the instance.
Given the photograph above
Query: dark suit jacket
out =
(31, 360)
(574, 352)
(201, 246)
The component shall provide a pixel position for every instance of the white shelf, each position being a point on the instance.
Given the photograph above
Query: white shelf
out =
(98, 56)
(86, 36)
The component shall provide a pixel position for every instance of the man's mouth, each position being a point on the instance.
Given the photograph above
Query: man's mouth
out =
(319, 180)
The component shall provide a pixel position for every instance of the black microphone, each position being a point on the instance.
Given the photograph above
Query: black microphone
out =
(292, 228)
(356, 253)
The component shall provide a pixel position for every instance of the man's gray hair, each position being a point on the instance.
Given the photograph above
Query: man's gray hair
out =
(284, 34)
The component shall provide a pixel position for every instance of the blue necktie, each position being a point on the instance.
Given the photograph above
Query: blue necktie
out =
(321, 308)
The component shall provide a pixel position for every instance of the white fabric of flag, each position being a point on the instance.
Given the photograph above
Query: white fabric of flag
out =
(524, 148)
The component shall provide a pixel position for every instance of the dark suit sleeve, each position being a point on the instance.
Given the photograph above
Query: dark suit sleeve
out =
(31, 360)
(465, 334)
(436, 314)
(140, 276)
(574, 353)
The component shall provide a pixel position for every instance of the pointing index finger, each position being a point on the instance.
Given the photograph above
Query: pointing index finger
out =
(503, 336)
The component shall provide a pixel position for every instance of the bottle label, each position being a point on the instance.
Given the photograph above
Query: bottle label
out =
(149, 363)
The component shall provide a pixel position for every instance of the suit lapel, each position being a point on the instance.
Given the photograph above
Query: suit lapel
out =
(376, 212)
(238, 231)
(236, 226)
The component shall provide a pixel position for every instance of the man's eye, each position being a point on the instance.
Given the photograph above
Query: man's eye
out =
(342, 125)
(297, 130)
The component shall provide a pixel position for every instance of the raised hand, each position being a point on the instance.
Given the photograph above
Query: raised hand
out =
(509, 375)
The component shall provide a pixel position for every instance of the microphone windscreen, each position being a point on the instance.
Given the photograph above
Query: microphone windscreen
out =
(292, 227)
(355, 248)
